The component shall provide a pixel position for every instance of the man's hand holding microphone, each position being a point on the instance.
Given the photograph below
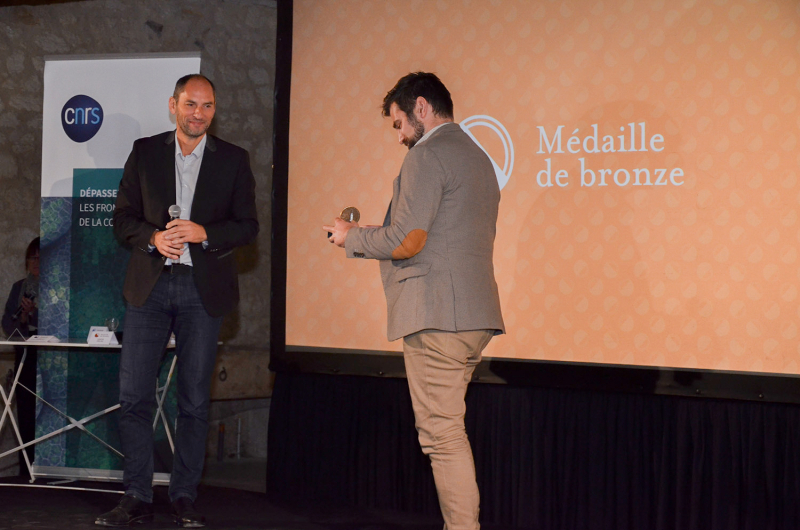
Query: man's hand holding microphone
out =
(178, 231)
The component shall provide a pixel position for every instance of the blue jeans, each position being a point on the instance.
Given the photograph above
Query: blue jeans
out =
(174, 305)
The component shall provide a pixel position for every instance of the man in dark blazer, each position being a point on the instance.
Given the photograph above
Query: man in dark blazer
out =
(436, 247)
(181, 279)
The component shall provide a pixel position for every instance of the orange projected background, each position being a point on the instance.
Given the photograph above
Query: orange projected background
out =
(650, 214)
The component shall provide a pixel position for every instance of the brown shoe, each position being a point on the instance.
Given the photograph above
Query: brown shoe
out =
(130, 510)
(185, 514)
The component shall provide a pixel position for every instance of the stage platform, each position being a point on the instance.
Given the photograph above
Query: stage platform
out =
(24, 508)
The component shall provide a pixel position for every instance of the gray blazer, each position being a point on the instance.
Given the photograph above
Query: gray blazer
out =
(448, 189)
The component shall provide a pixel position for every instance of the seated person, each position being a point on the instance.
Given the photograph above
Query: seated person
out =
(20, 321)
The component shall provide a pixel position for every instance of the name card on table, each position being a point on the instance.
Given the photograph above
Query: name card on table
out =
(43, 338)
(100, 335)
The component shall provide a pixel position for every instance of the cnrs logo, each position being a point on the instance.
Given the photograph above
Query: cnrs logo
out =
(81, 118)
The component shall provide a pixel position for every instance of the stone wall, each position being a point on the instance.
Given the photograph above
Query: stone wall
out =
(237, 41)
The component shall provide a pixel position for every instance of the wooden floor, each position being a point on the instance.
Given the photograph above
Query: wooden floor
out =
(23, 507)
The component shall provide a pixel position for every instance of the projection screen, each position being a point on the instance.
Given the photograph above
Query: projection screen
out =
(647, 153)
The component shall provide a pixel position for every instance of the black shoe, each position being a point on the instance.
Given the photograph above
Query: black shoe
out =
(130, 510)
(185, 514)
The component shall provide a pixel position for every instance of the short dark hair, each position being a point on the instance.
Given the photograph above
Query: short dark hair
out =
(181, 85)
(33, 247)
(414, 85)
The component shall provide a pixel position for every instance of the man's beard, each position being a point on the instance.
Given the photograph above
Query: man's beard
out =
(187, 130)
(419, 132)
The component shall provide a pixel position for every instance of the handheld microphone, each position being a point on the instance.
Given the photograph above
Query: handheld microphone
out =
(18, 312)
(174, 213)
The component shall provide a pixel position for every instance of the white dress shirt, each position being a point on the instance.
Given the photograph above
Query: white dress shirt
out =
(187, 168)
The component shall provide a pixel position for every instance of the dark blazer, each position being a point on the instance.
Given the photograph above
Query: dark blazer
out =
(12, 304)
(224, 204)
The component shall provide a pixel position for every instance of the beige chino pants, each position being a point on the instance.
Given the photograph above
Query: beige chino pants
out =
(439, 366)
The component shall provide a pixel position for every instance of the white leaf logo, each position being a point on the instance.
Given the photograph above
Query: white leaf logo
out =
(508, 163)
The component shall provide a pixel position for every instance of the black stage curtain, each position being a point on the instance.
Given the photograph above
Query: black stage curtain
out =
(546, 458)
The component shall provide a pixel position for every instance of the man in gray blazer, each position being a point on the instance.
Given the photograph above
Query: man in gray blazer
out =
(435, 247)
